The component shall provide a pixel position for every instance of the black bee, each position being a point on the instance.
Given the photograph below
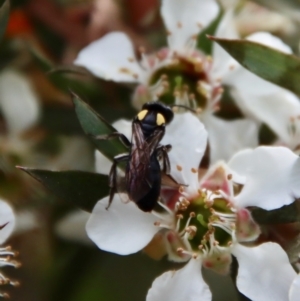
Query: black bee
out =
(143, 170)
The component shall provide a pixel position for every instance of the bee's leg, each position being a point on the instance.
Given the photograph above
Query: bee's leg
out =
(121, 136)
(112, 177)
(162, 151)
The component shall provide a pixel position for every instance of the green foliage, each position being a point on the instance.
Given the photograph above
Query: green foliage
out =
(203, 42)
(270, 64)
(283, 215)
(94, 125)
(83, 189)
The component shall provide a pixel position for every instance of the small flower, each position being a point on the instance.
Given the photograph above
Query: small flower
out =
(20, 109)
(213, 222)
(295, 289)
(179, 71)
(7, 223)
(18, 101)
(207, 220)
(195, 79)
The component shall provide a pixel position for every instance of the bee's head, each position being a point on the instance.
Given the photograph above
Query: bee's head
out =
(162, 113)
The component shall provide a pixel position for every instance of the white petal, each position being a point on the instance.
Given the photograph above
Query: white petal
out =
(112, 58)
(72, 227)
(184, 19)
(188, 138)
(279, 110)
(295, 289)
(295, 179)
(267, 172)
(102, 164)
(7, 221)
(122, 228)
(18, 101)
(264, 272)
(243, 134)
(248, 84)
(269, 40)
(223, 63)
(216, 178)
(186, 284)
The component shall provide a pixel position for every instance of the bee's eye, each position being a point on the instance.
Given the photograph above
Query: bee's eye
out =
(160, 119)
(141, 115)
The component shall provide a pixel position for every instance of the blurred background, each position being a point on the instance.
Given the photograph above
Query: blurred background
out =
(39, 129)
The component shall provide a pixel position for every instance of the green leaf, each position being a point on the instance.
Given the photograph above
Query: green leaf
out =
(93, 124)
(83, 189)
(270, 64)
(283, 215)
(203, 42)
(4, 16)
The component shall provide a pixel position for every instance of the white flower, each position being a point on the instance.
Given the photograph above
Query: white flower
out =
(200, 79)
(18, 101)
(207, 220)
(268, 178)
(7, 224)
(197, 84)
(20, 108)
(295, 289)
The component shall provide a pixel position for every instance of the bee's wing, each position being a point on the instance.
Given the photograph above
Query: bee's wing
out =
(139, 175)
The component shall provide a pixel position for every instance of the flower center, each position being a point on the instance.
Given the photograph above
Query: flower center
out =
(187, 79)
(205, 222)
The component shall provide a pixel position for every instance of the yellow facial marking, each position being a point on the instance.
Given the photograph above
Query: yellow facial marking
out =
(141, 115)
(160, 119)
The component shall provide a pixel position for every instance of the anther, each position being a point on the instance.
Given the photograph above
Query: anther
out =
(217, 108)
(209, 58)
(192, 214)
(179, 216)
(180, 251)
(141, 50)
(192, 96)
(193, 170)
(156, 223)
(131, 59)
(124, 70)
(181, 189)
(199, 110)
(195, 256)
(179, 168)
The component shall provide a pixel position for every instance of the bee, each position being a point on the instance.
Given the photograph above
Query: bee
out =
(143, 173)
